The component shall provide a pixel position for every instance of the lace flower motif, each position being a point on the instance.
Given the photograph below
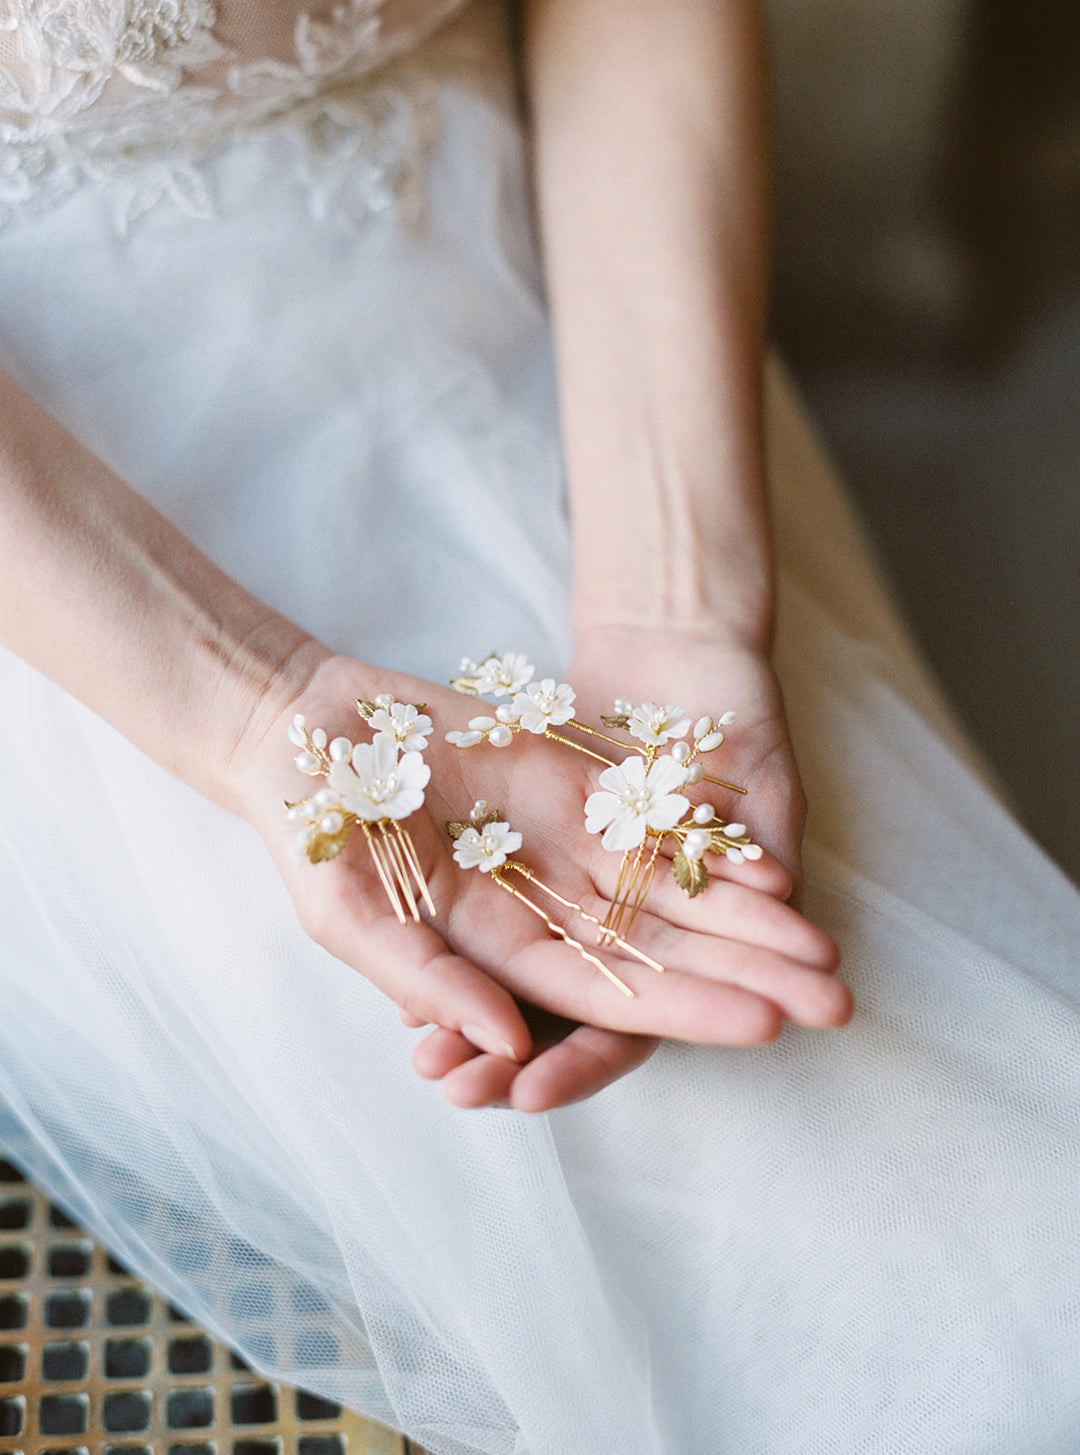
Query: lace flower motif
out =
(634, 802)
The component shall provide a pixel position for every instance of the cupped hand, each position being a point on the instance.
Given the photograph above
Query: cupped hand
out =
(738, 961)
(708, 670)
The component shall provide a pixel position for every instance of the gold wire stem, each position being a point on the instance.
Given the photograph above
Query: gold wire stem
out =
(409, 850)
(722, 783)
(584, 727)
(578, 747)
(387, 882)
(530, 874)
(400, 867)
(557, 929)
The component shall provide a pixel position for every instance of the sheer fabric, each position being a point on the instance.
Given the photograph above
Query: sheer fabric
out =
(862, 1241)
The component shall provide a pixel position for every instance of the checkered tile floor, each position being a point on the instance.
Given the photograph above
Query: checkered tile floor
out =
(92, 1362)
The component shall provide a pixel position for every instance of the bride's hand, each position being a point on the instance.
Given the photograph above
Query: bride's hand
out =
(710, 671)
(739, 962)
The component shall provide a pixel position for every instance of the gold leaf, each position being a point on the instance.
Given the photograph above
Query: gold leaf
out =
(327, 846)
(455, 830)
(622, 721)
(719, 840)
(364, 708)
(690, 874)
(465, 685)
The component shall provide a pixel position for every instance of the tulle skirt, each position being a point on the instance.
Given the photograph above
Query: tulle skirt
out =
(856, 1241)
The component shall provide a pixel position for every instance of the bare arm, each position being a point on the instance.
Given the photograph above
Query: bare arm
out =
(113, 603)
(105, 596)
(651, 159)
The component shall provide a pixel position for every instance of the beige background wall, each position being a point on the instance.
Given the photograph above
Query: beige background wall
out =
(928, 296)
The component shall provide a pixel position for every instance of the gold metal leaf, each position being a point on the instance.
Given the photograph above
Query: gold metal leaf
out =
(327, 846)
(364, 708)
(455, 829)
(719, 841)
(465, 685)
(621, 721)
(690, 874)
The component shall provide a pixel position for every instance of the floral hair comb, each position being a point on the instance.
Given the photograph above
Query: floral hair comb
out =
(486, 842)
(370, 786)
(639, 803)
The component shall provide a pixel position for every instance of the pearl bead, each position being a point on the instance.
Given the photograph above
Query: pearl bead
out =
(680, 752)
(695, 843)
(703, 726)
(710, 741)
(704, 813)
(695, 773)
(500, 737)
(735, 830)
(340, 750)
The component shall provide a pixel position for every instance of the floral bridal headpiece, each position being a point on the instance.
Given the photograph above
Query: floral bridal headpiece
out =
(639, 805)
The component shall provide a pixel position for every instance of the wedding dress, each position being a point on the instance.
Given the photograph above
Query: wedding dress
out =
(277, 270)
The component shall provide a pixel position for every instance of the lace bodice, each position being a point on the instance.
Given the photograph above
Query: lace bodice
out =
(141, 90)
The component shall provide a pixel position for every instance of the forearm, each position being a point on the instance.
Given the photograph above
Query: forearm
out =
(108, 599)
(650, 155)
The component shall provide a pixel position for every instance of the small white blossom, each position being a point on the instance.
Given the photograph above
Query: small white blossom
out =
(655, 725)
(486, 849)
(545, 704)
(402, 724)
(503, 676)
(634, 802)
(378, 784)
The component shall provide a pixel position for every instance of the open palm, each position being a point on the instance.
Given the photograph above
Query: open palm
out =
(738, 961)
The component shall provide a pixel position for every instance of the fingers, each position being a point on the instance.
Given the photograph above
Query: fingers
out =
(728, 911)
(584, 1062)
(430, 983)
(574, 1067)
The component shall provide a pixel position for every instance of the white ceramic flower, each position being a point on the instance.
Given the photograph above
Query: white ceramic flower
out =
(634, 802)
(544, 704)
(488, 848)
(404, 725)
(503, 676)
(656, 725)
(377, 784)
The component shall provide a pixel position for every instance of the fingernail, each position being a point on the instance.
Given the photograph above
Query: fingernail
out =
(487, 1041)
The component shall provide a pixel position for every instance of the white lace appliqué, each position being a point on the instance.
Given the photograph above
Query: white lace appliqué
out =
(134, 95)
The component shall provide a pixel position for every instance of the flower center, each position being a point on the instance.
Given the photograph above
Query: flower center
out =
(637, 800)
(380, 789)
